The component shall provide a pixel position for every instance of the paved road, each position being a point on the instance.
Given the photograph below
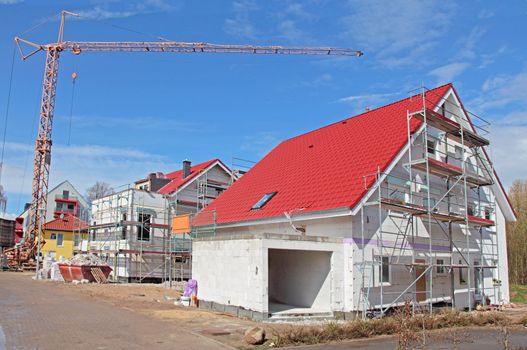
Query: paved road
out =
(35, 315)
(471, 339)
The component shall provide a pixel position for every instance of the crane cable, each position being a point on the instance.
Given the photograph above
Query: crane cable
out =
(8, 103)
(74, 78)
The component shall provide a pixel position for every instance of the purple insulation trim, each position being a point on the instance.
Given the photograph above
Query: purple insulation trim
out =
(391, 244)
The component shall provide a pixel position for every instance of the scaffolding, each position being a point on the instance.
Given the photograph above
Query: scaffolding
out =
(435, 218)
(239, 167)
(132, 231)
(181, 242)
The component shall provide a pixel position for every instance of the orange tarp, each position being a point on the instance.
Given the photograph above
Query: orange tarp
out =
(181, 224)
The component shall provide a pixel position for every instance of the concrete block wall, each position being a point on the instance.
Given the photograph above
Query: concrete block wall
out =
(235, 272)
(230, 272)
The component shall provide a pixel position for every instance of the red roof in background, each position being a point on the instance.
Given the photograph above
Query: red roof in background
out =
(177, 176)
(68, 223)
(322, 169)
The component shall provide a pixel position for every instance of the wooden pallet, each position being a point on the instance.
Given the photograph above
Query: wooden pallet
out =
(98, 275)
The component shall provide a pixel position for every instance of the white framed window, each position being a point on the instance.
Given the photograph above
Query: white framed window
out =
(143, 230)
(53, 236)
(462, 274)
(383, 270)
(440, 268)
(431, 146)
(76, 240)
(478, 272)
(60, 239)
(487, 214)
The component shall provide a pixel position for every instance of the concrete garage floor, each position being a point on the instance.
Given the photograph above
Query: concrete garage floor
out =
(299, 281)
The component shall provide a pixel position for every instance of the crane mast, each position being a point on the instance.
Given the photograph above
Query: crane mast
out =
(53, 51)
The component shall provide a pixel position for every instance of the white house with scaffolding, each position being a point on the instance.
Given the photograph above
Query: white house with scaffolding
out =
(132, 227)
(397, 204)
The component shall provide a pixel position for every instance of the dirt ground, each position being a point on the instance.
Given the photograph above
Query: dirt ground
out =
(156, 301)
(21, 297)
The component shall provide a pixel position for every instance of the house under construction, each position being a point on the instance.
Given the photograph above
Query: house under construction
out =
(131, 228)
(397, 204)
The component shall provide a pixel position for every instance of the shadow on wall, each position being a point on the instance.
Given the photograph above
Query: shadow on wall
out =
(299, 278)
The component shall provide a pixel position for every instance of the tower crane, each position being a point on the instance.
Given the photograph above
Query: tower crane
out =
(42, 161)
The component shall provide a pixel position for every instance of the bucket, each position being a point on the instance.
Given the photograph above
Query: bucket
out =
(185, 301)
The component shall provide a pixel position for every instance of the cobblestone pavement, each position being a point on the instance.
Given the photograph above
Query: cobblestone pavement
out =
(35, 315)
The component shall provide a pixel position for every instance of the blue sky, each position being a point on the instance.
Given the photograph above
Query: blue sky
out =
(138, 113)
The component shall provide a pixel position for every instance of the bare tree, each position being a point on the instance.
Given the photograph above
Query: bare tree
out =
(99, 190)
(517, 234)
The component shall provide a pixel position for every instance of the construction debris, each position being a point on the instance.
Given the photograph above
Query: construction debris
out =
(86, 260)
(54, 272)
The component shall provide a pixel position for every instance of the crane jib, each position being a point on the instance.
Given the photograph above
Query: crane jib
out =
(53, 50)
(78, 47)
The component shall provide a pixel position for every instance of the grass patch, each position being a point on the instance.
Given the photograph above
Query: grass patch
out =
(519, 293)
(410, 329)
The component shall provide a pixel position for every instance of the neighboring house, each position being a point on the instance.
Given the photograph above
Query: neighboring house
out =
(62, 199)
(63, 236)
(400, 203)
(131, 228)
(192, 188)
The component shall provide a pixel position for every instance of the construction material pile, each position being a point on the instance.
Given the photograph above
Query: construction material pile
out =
(86, 260)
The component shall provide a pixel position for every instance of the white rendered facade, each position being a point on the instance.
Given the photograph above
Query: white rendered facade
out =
(425, 232)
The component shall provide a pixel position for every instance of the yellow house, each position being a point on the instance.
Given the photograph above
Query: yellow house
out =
(63, 236)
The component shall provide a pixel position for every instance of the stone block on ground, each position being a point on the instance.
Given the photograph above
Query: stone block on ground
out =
(254, 336)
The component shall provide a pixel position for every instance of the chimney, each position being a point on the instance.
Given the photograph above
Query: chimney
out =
(186, 168)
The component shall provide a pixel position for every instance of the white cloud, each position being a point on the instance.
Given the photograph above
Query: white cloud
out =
(289, 30)
(485, 14)
(370, 97)
(503, 90)
(134, 123)
(82, 165)
(503, 99)
(448, 72)
(10, 2)
(361, 102)
(132, 8)
(469, 43)
(8, 216)
(290, 21)
(260, 143)
(398, 29)
(509, 152)
(240, 25)
(297, 9)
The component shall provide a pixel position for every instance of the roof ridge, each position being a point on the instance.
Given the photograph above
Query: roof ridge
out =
(191, 177)
(195, 165)
(362, 114)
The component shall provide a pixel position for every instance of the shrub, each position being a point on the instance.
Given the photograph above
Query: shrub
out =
(409, 328)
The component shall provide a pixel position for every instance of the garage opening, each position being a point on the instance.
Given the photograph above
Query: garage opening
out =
(299, 281)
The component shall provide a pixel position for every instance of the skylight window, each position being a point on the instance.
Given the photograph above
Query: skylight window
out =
(263, 201)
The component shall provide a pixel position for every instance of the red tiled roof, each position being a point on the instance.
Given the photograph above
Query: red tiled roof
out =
(322, 169)
(177, 176)
(68, 223)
